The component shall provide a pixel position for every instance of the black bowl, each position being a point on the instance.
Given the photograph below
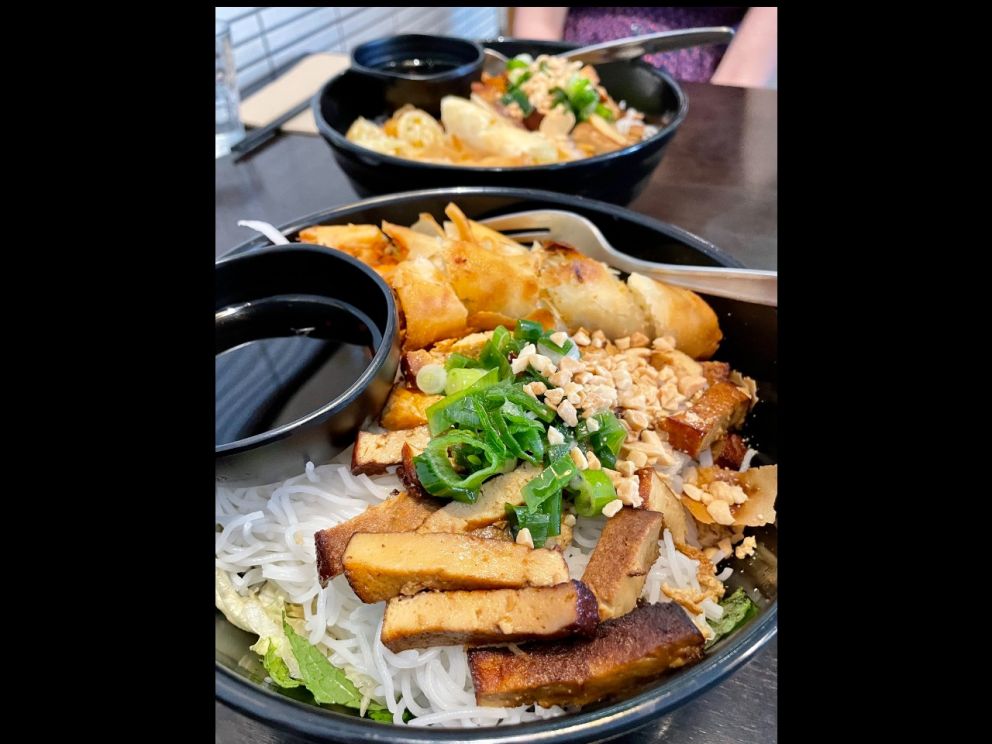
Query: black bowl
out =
(750, 344)
(292, 298)
(617, 177)
(417, 69)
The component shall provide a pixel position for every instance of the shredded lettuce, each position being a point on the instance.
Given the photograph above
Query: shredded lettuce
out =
(738, 608)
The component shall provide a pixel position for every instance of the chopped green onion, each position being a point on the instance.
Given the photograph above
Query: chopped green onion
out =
(432, 379)
(450, 411)
(460, 361)
(604, 112)
(538, 523)
(607, 440)
(518, 77)
(439, 478)
(549, 482)
(515, 95)
(593, 490)
(528, 330)
(517, 64)
(458, 379)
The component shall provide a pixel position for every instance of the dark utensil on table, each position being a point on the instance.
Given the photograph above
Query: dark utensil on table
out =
(262, 135)
(617, 176)
(750, 344)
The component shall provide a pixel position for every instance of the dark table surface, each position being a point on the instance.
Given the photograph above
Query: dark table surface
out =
(719, 179)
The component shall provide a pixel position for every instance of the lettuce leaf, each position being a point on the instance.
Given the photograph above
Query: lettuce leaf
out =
(326, 682)
(277, 669)
(738, 608)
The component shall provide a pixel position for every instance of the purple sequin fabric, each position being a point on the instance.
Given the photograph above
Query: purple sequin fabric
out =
(593, 25)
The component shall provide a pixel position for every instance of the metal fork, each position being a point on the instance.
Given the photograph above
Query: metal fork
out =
(750, 285)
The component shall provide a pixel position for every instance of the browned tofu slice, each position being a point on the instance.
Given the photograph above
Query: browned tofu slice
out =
(387, 565)
(729, 452)
(493, 616)
(623, 654)
(656, 496)
(489, 507)
(401, 513)
(619, 564)
(406, 409)
(374, 453)
(721, 407)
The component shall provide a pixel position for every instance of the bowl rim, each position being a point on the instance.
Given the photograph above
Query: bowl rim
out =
(339, 141)
(341, 401)
(457, 72)
(284, 713)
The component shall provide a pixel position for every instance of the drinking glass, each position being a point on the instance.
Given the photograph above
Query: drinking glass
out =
(229, 127)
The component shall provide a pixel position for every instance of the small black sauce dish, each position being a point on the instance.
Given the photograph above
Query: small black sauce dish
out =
(417, 69)
(306, 348)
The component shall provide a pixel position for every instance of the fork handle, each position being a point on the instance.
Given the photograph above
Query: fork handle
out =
(749, 285)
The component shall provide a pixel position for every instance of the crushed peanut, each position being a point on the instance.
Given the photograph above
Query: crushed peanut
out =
(612, 508)
(568, 413)
(524, 538)
(569, 520)
(555, 436)
(625, 468)
(593, 461)
(629, 492)
(559, 338)
(639, 458)
(694, 492)
(554, 396)
(720, 511)
(535, 388)
(732, 493)
(746, 548)
(639, 340)
(578, 458)
(592, 425)
(581, 337)
(542, 364)
(692, 384)
(622, 343)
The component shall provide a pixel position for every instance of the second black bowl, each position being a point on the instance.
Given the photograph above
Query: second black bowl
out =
(616, 177)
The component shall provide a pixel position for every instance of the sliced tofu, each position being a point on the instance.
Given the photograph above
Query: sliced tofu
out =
(493, 616)
(400, 513)
(406, 409)
(656, 496)
(374, 453)
(622, 654)
(488, 508)
(387, 565)
(729, 452)
(721, 407)
(619, 564)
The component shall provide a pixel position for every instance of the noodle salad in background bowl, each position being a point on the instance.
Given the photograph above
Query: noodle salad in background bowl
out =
(545, 123)
(442, 571)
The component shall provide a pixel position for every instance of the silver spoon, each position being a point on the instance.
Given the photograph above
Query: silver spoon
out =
(630, 48)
